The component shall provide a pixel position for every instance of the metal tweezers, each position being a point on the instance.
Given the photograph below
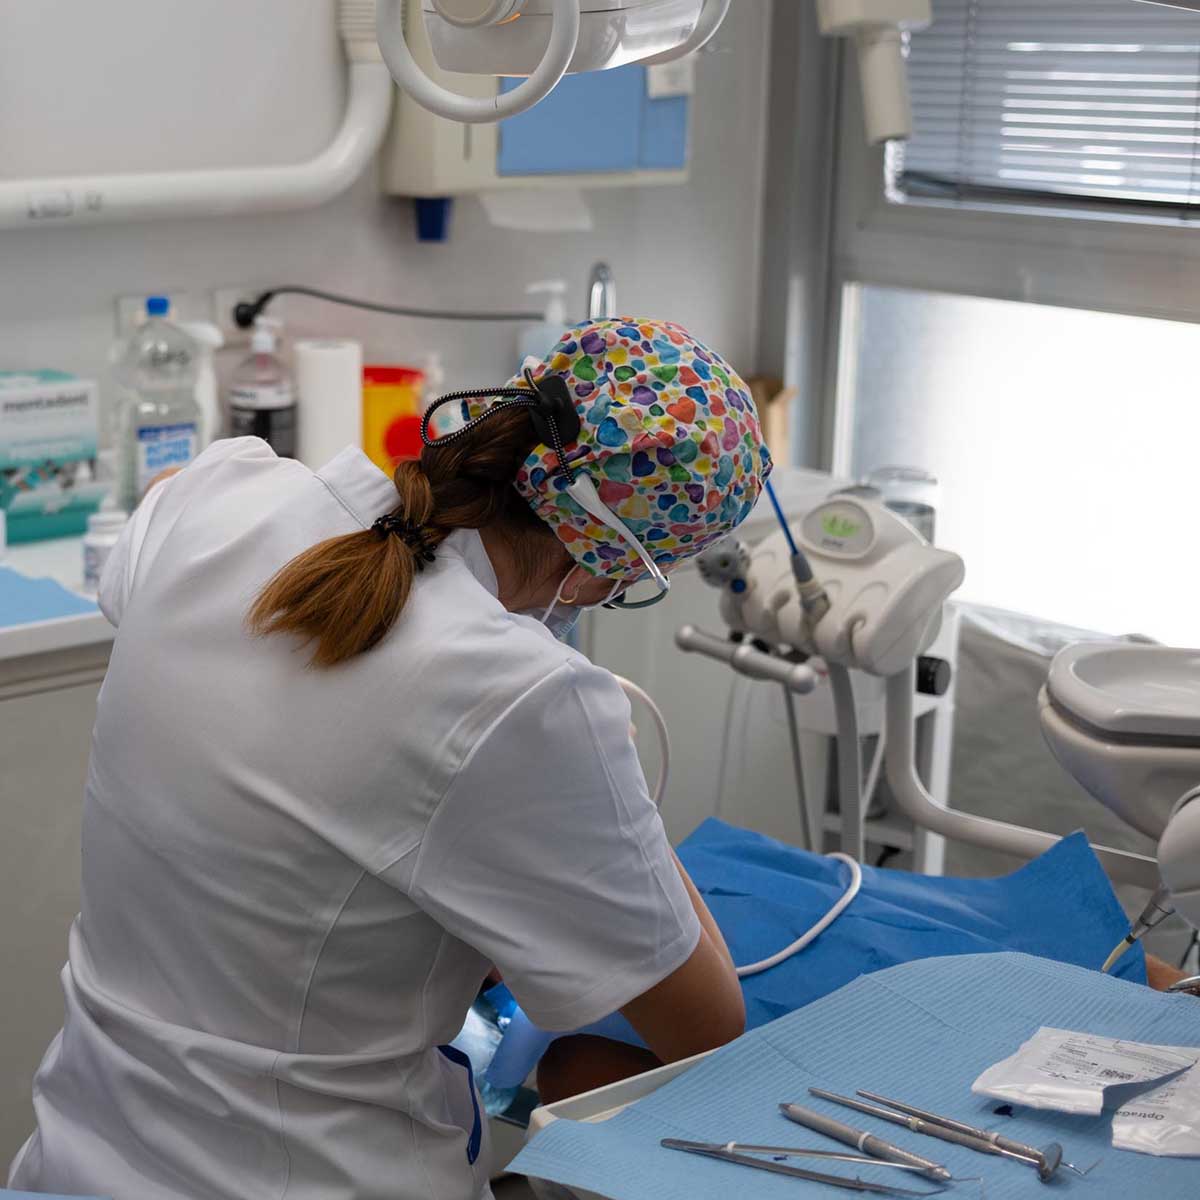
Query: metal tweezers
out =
(727, 1153)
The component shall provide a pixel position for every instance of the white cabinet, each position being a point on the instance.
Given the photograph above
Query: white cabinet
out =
(50, 676)
(47, 708)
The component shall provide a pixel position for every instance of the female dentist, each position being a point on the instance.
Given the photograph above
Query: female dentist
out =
(341, 767)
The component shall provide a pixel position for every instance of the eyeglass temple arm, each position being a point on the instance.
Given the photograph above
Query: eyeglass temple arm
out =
(583, 492)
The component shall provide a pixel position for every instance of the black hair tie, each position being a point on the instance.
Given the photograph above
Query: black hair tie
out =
(414, 536)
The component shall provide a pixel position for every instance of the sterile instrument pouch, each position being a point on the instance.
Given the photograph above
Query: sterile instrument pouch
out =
(1081, 1073)
(1165, 1121)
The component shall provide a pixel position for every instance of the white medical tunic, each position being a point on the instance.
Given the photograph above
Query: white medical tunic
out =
(295, 880)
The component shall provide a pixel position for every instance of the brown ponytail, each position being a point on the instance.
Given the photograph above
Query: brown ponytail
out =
(344, 594)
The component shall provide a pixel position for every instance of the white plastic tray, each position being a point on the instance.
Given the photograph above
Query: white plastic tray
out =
(599, 1105)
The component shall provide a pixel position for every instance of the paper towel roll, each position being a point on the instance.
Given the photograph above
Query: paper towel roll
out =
(329, 398)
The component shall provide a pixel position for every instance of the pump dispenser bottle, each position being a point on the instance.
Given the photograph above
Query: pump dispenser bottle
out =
(262, 397)
(538, 339)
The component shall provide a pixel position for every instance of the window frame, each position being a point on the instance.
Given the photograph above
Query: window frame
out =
(973, 83)
(1122, 263)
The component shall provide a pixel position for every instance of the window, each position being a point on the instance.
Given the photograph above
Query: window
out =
(1076, 102)
(1064, 442)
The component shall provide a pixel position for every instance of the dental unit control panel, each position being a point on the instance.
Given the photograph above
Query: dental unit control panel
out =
(885, 586)
(847, 582)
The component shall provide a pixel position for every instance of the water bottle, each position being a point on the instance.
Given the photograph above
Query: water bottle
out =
(160, 418)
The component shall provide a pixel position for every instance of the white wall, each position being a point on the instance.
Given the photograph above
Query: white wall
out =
(144, 82)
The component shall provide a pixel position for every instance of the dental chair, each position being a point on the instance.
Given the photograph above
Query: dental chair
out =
(1124, 720)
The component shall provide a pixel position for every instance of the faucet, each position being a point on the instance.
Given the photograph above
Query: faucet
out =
(602, 293)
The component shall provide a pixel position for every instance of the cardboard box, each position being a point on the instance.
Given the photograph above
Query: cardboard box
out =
(49, 431)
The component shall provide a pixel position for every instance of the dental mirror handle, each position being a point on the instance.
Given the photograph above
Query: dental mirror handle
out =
(997, 1139)
(1044, 1162)
(915, 1124)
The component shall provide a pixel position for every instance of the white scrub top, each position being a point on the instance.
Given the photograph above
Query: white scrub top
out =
(295, 880)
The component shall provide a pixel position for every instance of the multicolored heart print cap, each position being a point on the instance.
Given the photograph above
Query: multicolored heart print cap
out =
(669, 436)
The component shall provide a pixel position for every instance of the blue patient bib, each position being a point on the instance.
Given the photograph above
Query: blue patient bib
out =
(764, 894)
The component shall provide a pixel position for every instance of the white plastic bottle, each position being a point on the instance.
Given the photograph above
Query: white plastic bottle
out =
(262, 396)
(538, 339)
(104, 528)
(160, 419)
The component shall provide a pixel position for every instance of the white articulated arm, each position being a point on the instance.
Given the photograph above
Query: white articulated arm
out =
(877, 28)
(473, 110)
(924, 811)
(97, 199)
(1179, 857)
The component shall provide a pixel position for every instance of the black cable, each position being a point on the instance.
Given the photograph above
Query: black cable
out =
(247, 311)
(1192, 943)
(931, 185)
(814, 840)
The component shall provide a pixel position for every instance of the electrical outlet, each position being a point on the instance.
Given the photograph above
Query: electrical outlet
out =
(223, 301)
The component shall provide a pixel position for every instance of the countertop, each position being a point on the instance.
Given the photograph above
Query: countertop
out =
(60, 559)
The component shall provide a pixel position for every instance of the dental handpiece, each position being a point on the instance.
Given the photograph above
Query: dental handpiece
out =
(863, 1141)
(1157, 910)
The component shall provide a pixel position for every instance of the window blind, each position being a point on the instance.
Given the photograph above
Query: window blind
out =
(1066, 101)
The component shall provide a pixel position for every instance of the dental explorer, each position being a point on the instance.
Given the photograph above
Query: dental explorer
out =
(997, 1139)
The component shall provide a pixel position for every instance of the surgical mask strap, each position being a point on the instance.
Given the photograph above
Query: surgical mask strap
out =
(562, 583)
(558, 597)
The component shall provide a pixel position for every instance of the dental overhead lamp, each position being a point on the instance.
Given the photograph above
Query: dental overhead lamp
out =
(542, 40)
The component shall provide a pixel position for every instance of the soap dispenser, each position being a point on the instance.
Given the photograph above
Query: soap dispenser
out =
(538, 339)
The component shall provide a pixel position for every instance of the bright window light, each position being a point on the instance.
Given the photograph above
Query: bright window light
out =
(1065, 443)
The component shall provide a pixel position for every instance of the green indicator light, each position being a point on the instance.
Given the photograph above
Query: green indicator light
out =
(839, 527)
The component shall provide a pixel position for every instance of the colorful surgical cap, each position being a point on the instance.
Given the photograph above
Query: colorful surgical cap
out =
(670, 438)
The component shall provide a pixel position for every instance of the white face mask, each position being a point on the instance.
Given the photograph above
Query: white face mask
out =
(562, 623)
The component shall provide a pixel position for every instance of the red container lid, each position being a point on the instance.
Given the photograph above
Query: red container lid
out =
(402, 439)
(410, 376)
